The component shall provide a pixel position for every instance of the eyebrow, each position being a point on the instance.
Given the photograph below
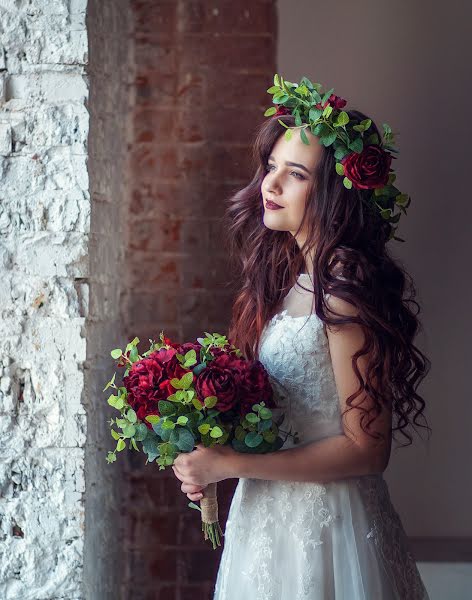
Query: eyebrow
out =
(292, 164)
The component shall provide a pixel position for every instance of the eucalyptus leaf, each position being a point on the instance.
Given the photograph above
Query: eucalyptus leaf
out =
(166, 408)
(216, 432)
(253, 439)
(304, 137)
(265, 413)
(141, 432)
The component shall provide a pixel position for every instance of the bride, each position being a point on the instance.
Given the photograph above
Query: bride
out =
(327, 310)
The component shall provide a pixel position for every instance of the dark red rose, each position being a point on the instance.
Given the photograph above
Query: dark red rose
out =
(221, 379)
(335, 101)
(147, 383)
(282, 110)
(369, 169)
(255, 388)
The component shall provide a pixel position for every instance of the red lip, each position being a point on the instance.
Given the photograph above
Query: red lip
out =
(270, 204)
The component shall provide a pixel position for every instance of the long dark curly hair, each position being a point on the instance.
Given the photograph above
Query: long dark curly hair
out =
(351, 261)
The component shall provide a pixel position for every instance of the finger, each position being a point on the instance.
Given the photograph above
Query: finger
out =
(195, 497)
(178, 475)
(193, 489)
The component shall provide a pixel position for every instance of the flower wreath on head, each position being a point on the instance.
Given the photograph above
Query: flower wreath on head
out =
(363, 160)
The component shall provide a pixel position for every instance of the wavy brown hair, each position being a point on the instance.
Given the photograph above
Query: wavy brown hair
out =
(351, 261)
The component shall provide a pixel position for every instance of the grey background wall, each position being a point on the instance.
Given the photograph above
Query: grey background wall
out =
(404, 63)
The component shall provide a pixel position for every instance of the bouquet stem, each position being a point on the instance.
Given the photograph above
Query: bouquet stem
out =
(210, 524)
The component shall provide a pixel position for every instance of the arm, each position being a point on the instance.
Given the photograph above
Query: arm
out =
(352, 453)
(332, 458)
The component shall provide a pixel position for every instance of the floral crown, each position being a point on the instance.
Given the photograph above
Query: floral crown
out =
(363, 160)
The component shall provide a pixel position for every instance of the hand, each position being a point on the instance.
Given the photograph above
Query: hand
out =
(203, 466)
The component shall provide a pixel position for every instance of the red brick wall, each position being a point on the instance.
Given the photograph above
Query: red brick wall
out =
(202, 70)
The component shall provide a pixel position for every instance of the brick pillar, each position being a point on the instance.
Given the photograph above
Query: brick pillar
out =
(202, 70)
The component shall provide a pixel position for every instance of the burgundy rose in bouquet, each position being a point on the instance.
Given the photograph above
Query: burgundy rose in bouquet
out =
(176, 396)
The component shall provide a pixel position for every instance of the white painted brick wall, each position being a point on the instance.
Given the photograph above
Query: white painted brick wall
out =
(44, 226)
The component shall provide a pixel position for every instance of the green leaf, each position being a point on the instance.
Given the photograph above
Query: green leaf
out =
(253, 439)
(204, 428)
(252, 418)
(307, 82)
(328, 139)
(120, 445)
(339, 169)
(131, 416)
(264, 425)
(386, 213)
(112, 400)
(141, 432)
(273, 89)
(402, 199)
(115, 435)
(269, 436)
(150, 447)
(168, 424)
(133, 443)
(328, 109)
(288, 135)
(197, 404)
(116, 353)
(195, 506)
(216, 432)
(240, 433)
(347, 183)
(298, 119)
(186, 380)
(304, 137)
(133, 355)
(315, 114)
(341, 152)
(153, 418)
(343, 118)
(166, 409)
(182, 420)
(327, 96)
(280, 98)
(210, 401)
(186, 441)
(265, 413)
(356, 145)
(129, 430)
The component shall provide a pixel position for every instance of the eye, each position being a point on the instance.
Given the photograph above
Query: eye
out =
(297, 175)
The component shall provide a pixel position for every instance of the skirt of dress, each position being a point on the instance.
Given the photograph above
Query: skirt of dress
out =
(297, 541)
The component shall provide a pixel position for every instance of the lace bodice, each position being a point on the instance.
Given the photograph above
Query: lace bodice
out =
(294, 350)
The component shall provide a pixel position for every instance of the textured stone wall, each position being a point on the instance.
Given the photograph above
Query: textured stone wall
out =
(44, 297)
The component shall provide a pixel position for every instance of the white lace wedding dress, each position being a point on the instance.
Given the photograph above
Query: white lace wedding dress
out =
(285, 540)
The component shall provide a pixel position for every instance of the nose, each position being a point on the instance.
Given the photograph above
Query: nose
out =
(271, 184)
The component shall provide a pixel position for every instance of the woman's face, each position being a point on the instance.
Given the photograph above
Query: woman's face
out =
(289, 173)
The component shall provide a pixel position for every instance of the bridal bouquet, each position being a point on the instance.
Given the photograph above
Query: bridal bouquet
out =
(175, 396)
